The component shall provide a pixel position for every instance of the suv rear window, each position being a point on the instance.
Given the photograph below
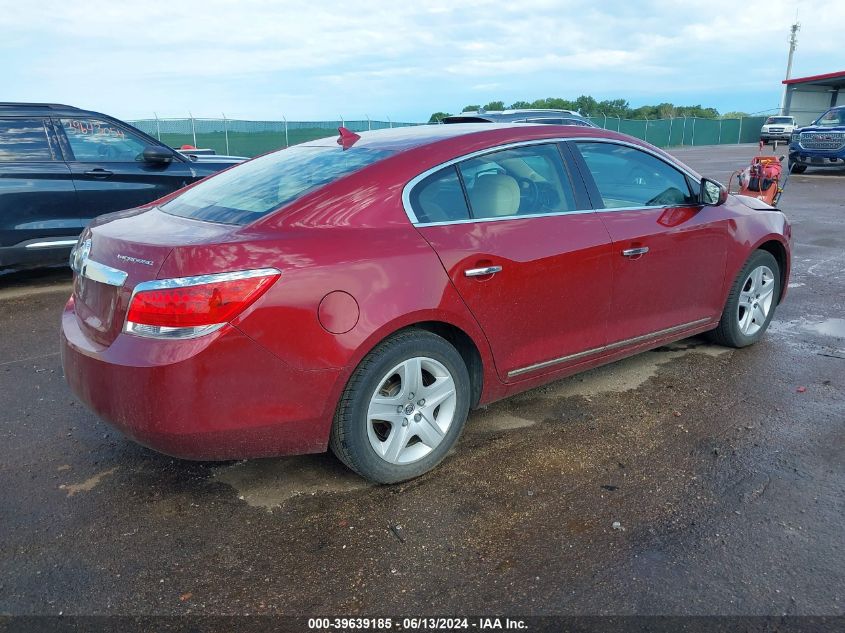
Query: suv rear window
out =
(246, 192)
(24, 140)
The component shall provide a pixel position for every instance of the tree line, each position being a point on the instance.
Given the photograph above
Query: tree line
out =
(588, 106)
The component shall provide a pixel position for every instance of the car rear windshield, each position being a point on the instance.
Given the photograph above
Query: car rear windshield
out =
(244, 193)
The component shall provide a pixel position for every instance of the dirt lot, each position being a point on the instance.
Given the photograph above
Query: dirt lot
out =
(725, 470)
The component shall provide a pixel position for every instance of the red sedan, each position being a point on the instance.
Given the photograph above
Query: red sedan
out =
(365, 293)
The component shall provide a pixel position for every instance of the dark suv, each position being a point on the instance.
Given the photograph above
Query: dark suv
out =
(61, 166)
(550, 117)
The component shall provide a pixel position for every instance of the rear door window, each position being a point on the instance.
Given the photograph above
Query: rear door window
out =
(95, 140)
(628, 177)
(527, 180)
(24, 140)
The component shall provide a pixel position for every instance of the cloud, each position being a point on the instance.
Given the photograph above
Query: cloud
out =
(311, 59)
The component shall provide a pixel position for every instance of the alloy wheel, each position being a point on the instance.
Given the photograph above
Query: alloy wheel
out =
(411, 410)
(755, 300)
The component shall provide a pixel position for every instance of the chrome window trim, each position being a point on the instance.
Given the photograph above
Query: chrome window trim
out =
(606, 348)
(522, 216)
(406, 191)
(137, 329)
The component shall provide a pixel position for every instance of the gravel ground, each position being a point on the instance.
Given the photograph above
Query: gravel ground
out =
(725, 471)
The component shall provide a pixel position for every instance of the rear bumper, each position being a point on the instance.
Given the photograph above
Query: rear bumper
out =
(213, 398)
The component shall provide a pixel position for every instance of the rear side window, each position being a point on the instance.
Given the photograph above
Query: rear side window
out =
(24, 140)
(440, 198)
(246, 192)
(628, 177)
(93, 140)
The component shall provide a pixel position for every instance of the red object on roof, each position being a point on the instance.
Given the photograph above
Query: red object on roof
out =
(347, 137)
(811, 78)
(186, 146)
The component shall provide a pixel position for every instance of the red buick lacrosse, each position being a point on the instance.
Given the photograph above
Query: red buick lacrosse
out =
(364, 293)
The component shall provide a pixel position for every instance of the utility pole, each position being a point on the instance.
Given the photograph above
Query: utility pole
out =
(793, 44)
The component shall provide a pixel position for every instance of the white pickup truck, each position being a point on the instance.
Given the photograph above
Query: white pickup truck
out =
(777, 128)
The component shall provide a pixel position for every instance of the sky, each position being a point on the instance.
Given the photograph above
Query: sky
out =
(324, 59)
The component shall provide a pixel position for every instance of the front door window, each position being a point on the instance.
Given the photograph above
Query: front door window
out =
(94, 140)
(627, 177)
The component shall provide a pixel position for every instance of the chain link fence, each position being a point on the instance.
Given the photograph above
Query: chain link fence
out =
(681, 131)
(251, 138)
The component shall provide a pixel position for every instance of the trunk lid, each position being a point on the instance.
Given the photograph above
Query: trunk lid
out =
(125, 249)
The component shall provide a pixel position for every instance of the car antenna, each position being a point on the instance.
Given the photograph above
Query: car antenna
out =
(348, 138)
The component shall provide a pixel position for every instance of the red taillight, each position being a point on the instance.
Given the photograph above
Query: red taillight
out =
(191, 306)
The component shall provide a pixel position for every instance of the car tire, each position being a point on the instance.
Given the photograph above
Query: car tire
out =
(795, 168)
(392, 382)
(751, 302)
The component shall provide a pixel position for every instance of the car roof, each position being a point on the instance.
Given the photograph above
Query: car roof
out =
(9, 108)
(519, 112)
(399, 139)
(512, 115)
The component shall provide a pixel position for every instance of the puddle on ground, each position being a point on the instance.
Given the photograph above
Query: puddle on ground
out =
(623, 375)
(811, 324)
(829, 327)
(267, 483)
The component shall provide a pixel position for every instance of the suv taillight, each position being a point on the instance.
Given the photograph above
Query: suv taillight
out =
(188, 307)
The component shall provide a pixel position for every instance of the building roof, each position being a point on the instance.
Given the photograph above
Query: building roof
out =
(836, 79)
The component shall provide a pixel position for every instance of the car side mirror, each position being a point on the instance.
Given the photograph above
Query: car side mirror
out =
(157, 155)
(712, 193)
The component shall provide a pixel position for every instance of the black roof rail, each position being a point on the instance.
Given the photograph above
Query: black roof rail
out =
(13, 105)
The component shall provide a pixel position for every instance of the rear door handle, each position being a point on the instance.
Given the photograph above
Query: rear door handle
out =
(635, 252)
(99, 173)
(482, 272)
